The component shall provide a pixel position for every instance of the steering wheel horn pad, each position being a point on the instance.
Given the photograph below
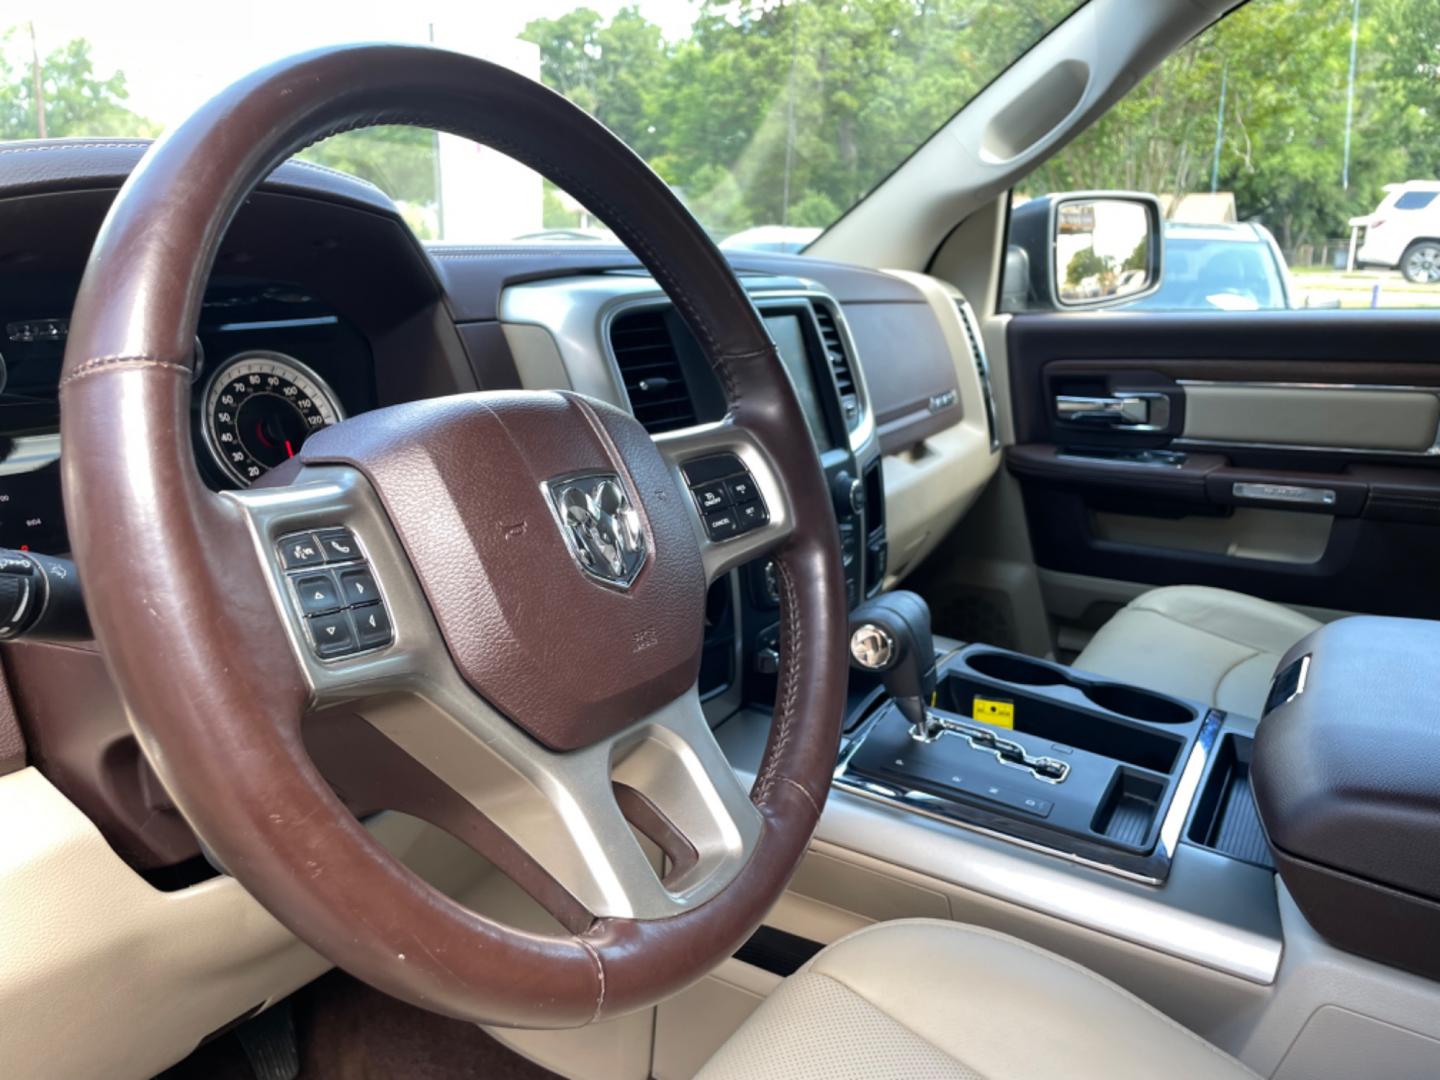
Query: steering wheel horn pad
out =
(546, 701)
(465, 481)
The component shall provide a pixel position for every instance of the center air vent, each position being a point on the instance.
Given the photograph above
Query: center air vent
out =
(839, 364)
(650, 367)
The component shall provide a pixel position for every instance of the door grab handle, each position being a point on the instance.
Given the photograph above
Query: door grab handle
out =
(1122, 410)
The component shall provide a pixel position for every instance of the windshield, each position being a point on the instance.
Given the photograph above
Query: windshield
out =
(769, 118)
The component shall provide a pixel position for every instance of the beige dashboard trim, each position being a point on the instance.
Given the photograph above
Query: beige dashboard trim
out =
(929, 487)
(102, 975)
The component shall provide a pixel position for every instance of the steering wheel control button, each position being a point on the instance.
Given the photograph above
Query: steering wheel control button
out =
(372, 626)
(317, 593)
(714, 467)
(332, 635)
(726, 495)
(338, 545)
(741, 489)
(711, 496)
(751, 515)
(721, 525)
(341, 608)
(299, 549)
(357, 586)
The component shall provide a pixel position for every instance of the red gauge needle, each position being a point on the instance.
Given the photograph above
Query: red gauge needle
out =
(289, 450)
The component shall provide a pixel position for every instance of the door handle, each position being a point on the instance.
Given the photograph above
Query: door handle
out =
(1138, 412)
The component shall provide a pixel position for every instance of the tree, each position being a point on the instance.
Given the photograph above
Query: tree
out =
(784, 112)
(400, 161)
(611, 70)
(77, 100)
(1284, 64)
(1087, 262)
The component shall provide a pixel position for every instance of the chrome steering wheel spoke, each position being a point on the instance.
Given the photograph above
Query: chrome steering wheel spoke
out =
(574, 813)
(687, 452)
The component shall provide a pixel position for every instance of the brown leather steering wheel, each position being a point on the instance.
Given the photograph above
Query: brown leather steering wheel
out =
(541, 711)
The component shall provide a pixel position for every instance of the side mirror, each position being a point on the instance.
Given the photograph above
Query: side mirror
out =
(1089, 249)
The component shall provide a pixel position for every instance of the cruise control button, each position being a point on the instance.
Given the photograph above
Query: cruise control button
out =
(372, 626)
(299, 550)
(332, 635)
(741, 488)
(338, 545)
(358, 586)
(317, 593)
(721, 525)
(751, 515)
(711, 496)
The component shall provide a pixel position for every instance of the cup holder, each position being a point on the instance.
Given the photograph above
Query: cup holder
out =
(1138, 704)
(1015, 669)
(1128, 701)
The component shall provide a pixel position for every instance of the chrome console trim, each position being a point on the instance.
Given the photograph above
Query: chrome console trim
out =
(1213, 911)
(939, 809)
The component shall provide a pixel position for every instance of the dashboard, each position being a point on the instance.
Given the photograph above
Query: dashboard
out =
(272, 365)
(323, 306)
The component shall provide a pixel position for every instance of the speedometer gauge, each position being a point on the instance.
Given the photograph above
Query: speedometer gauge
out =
(259, 408)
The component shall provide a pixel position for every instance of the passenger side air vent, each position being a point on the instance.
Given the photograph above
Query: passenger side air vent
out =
(839, 364)
(982, 367)
(649, 365)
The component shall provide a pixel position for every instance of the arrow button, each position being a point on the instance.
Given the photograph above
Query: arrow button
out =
(358, 586)
(372, 626)
(332, 635)
(317, 592)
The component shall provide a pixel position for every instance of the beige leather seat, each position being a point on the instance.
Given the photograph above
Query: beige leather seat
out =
(1204, 644)
(932, 1000)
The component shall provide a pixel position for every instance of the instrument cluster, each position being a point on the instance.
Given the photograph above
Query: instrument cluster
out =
(272, 367)
(257, 410)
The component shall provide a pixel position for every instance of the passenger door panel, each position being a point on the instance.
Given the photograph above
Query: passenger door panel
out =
(1292, 455)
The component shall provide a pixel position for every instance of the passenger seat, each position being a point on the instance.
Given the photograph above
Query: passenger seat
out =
(1198, 643)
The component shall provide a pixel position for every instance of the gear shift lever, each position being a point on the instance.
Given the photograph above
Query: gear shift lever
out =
(890, 637)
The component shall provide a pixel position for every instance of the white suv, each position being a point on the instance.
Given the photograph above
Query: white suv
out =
(1404, 232)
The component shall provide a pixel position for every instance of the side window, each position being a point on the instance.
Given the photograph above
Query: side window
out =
(1295, 150)
(1414, 200)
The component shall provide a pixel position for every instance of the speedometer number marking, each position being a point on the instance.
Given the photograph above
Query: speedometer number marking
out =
(259, 409)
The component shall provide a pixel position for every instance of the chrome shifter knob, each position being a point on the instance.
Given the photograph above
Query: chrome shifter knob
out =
(871, 647)
(890, 637)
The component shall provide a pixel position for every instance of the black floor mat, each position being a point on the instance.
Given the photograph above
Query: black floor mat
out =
(348, 1031)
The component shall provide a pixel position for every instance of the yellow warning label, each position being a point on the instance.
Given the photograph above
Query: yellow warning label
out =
(990, 711)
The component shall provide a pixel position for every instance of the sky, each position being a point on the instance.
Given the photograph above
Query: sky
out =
(176, 53)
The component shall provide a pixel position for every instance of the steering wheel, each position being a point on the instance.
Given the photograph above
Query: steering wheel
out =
(541, 561)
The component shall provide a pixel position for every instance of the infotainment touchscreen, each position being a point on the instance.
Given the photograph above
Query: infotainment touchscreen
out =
(790, 340)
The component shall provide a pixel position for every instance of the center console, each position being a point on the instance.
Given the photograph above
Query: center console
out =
(1099, 773)
(1095, 771)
